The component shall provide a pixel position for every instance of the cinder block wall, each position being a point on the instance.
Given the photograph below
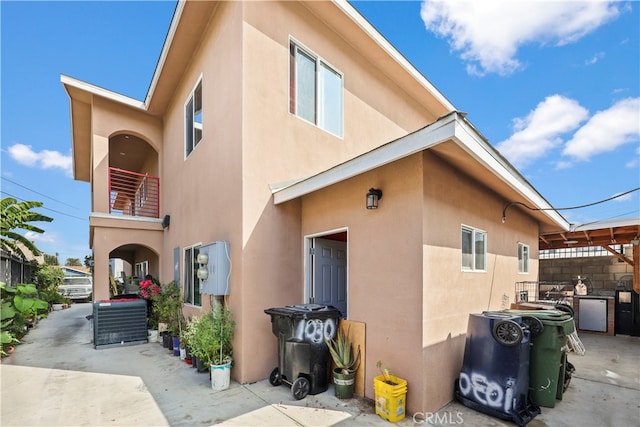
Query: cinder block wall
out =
(603, 271)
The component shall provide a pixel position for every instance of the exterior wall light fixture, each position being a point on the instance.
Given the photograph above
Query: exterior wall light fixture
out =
(372, 198)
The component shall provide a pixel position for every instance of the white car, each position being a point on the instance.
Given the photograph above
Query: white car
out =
(76, 288)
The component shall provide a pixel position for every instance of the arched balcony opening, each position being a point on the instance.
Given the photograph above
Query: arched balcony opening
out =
(134, 185)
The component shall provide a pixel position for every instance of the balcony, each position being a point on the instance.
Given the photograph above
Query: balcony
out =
(133, 194)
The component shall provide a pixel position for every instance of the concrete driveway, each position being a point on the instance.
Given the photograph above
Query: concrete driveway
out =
(57, 378)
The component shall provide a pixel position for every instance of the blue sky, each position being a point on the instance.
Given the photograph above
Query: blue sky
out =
(554, 86)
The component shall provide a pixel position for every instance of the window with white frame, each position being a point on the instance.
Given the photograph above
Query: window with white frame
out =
(474, 249)
(141, 269)
(191, 282)
(315, 90)
(193, 119)
(523, 258)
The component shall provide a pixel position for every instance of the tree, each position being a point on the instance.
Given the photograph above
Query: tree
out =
(88, 262)
(73, 262)
(51, 259)
(49, 277)
(19, 216)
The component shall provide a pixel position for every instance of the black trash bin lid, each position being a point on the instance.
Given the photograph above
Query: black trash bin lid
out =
(306, 311)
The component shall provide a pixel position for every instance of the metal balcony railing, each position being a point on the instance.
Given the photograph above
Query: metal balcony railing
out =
(133, 194)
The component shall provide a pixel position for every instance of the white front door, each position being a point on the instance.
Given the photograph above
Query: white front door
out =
(329, 261)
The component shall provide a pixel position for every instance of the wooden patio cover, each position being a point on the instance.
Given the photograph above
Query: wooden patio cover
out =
(601, 233)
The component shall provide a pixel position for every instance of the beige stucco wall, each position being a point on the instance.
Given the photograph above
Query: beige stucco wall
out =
(278, 147)
(203, 193)
(110, 234)
(109, 118)
(404, 276)
(384, 263)
(450, 294)
(404, 265)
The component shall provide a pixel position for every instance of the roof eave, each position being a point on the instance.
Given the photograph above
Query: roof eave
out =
(471, 141)
(433, 134)
(88, 88)
(451, 127)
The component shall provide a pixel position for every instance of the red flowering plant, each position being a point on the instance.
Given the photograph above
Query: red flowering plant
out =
(150, 291)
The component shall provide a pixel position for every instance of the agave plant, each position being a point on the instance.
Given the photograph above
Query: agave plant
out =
(341, 350)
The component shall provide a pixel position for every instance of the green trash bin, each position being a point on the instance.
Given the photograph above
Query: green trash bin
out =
(550, 330)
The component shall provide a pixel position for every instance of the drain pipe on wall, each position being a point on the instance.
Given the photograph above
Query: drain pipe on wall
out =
(493, 276)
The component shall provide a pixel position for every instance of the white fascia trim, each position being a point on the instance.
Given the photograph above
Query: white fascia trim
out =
(124, 217)
(467, 138)
(177, 14)
(104, 93)
(439, 131)
(351, 12)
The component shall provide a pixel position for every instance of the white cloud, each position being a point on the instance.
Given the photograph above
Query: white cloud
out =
(40, 237)
(624, 198)
(45, 159)
(23, 154)
(598, 56)
(606, 131)
(487, 34)
(542, 129)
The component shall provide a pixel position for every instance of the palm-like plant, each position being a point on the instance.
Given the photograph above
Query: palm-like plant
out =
(342, 353)
(19, 216)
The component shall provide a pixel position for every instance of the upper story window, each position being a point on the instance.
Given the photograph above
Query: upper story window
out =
(474, 249)
(315, 90)
(193, 119)
(523, 258)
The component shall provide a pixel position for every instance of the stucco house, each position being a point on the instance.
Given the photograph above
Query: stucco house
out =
(266, 124)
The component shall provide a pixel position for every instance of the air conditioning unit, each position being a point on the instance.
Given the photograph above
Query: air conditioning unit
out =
(119, 322)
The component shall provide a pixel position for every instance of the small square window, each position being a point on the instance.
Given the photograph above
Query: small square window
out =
(474, 249)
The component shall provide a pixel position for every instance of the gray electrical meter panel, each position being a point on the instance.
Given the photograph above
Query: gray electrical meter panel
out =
(214, 269)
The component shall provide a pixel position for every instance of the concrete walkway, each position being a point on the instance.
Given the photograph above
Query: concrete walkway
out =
(56, 378)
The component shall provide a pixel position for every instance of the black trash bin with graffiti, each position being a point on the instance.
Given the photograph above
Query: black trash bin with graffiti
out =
(495, 372)
(303, 356)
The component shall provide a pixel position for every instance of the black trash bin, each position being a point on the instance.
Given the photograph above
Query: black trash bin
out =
(303, 356)
(495, 373)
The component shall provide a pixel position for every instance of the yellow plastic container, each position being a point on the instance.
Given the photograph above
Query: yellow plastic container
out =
(390, 399)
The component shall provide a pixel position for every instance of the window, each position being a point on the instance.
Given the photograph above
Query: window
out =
(474, 249)
(523, 258)
(193, 119)
(315, 90)
(191, 281)
(141, 269)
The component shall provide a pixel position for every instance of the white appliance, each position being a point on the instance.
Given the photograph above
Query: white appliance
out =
(593, 314)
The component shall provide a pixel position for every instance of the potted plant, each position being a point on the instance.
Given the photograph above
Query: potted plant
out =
(212, 344)
(187, 336)
(390, 394)
(223, 328)
(149, 291)
(169, 308)
(346, 361)
(195, 345)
